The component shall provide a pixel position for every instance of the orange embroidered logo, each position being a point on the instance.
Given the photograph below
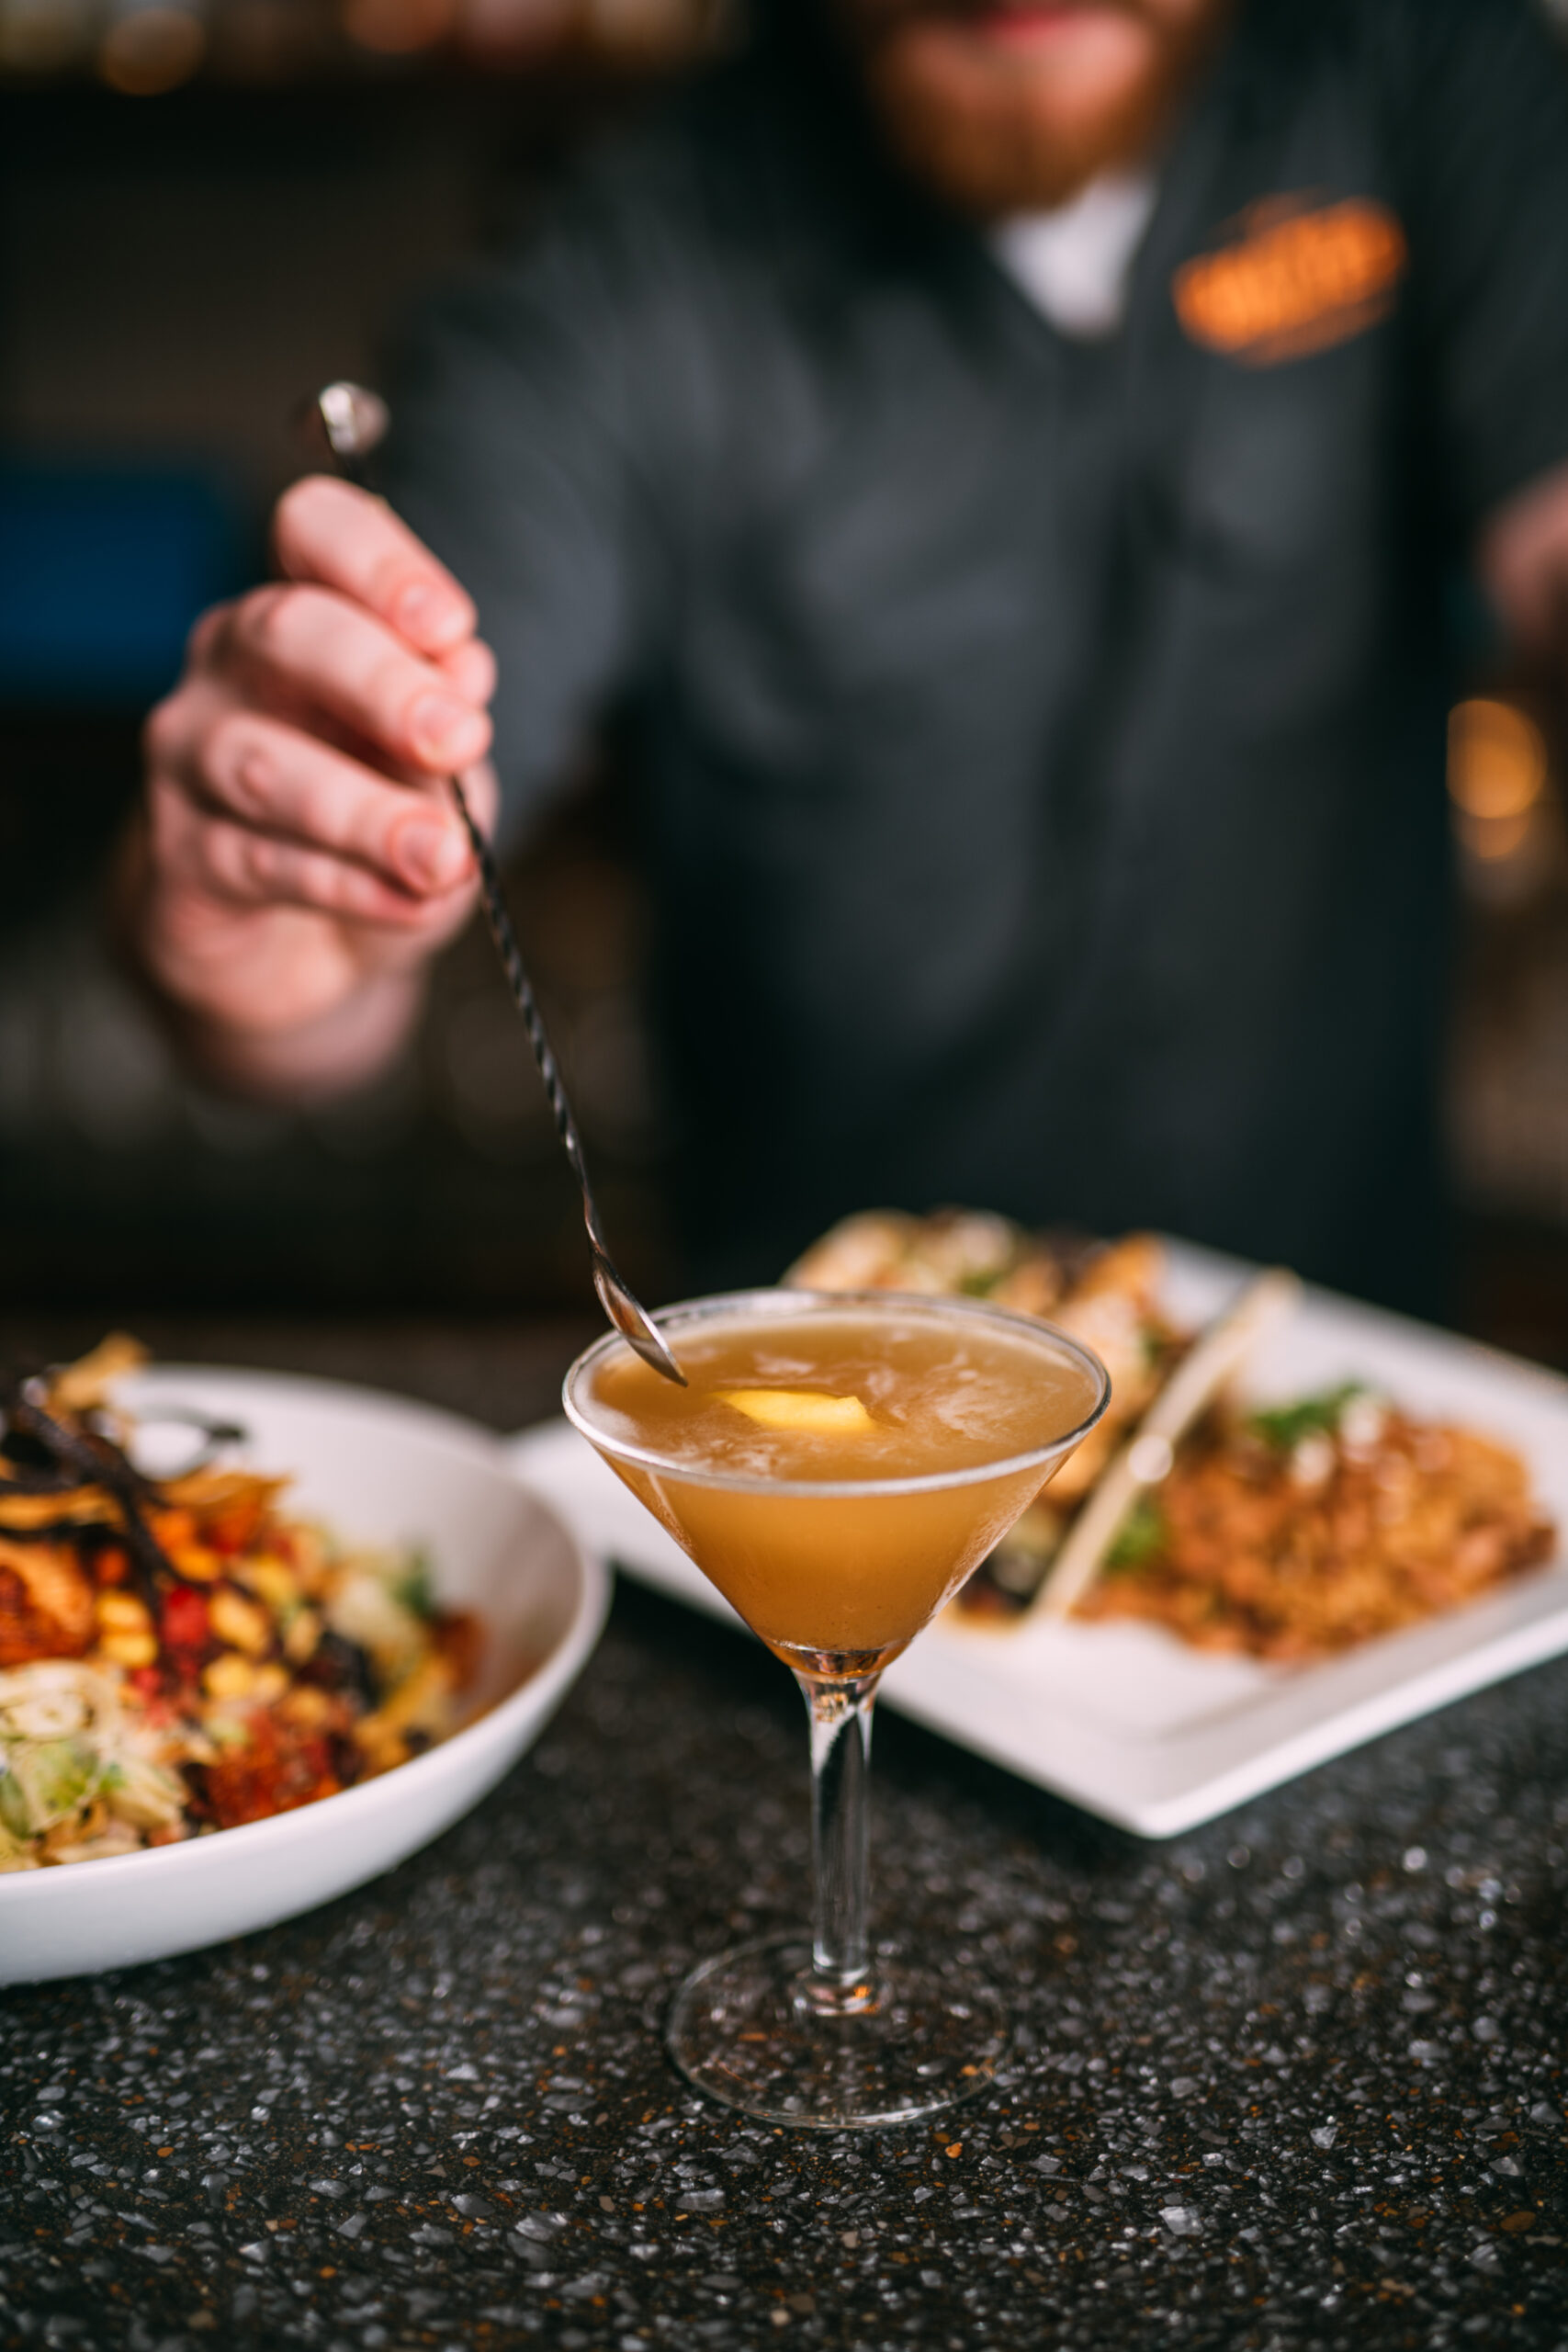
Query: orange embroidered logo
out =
(1296, 281)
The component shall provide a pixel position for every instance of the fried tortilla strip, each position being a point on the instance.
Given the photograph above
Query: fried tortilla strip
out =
(46, 1603)
(1147, 1456)
(75, 1507)
(214, 1489)
(861, 1252)
(83, 1387)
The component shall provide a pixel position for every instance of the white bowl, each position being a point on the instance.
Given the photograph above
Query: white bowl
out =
(382, 1472)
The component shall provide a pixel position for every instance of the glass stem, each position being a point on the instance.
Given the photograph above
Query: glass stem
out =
(841, 1767)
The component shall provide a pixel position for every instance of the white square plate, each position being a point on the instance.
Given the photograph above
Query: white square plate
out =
(1123, 1718)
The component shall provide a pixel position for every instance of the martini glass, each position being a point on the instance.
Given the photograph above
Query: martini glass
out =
(836, 1465)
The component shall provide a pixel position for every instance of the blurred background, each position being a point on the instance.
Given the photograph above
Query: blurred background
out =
(206, 211)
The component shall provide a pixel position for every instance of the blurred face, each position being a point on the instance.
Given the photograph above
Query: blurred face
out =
(1009, 106)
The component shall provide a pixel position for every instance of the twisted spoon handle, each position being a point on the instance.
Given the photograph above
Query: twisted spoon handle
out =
(346, 423)
(500, 921)
(615, 1295)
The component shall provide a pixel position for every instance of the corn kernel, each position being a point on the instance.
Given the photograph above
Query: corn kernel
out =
(239, 1621)
(272, 1577)
(307, 1706)
(128, 1648)
(197, 1563)
(303, 1634)
(122, 1612)
(172, 1527)
(308, 1550)
(229, 1676)
(271, 1682)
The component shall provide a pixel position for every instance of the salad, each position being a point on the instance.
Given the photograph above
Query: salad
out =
(183, 1654)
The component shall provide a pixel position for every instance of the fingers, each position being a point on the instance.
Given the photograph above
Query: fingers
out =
(369, 643)
(307, 650)
(253, 810)
(280, 780)
(218, 857)
(470, 670)
(258, 869)
(256, 798)
(327, 533)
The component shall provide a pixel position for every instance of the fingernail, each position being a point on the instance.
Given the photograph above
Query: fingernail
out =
(423, 611)
(446, 729)
(430, 856)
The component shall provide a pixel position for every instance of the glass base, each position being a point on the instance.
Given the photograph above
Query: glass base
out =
(748, 2027)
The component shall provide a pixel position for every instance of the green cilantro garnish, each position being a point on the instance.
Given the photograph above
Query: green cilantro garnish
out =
(1142, 1535)
(1284, 1426)
(416, 1587)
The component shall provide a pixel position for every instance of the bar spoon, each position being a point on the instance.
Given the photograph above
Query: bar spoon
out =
(346, 423)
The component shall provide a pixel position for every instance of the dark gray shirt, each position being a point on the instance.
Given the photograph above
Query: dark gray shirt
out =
(1039, 746)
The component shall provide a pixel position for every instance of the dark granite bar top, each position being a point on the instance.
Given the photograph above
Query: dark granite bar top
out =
(1296, 2080)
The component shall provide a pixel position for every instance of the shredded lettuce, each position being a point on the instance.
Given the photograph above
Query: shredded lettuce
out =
(14, 1814)
(51, 1778)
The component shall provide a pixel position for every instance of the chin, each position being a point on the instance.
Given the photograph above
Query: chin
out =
(1015, 110)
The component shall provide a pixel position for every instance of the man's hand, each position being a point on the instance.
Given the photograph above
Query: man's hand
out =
(298, 858)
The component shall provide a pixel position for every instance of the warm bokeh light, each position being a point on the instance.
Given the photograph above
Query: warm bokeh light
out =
(269, 40)
(1497, 781)
(152, 50)
(398, 27)
(514, 30)
(1496, 760)
(629, 24)
(43, 36)
(144, 47)
(509, 32)
(1494, 839)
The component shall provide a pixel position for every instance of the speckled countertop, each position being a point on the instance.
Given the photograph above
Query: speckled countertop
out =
(1298, 2079)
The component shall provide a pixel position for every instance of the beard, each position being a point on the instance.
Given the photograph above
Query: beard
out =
(997, 126)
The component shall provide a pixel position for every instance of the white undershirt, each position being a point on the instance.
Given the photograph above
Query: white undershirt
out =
(1074, 263)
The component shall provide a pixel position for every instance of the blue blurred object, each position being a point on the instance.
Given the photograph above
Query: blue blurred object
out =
(102, 568)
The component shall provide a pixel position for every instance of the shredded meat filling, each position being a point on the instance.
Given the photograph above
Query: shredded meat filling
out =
(1291, 1555)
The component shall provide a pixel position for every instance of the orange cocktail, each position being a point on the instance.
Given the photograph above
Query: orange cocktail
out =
(836, 1464)
(838, 1472)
